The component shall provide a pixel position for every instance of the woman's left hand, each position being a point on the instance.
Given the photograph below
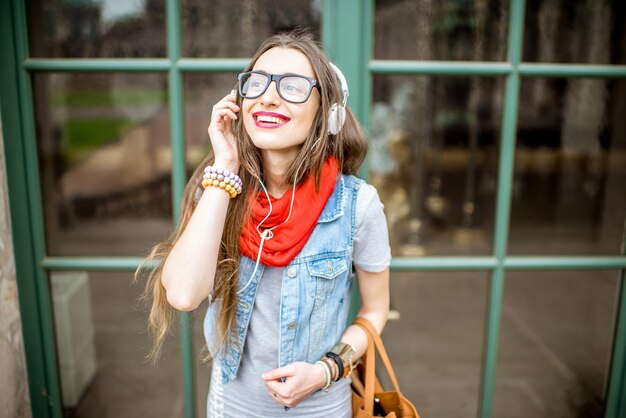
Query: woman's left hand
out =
(300, 380)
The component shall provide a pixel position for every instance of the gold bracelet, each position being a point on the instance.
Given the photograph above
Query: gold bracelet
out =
(346, 352)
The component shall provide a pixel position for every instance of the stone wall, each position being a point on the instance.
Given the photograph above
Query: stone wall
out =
(14, 397)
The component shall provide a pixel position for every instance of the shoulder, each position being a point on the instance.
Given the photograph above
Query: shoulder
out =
(367, 195)
(366, 192)
(367, 199)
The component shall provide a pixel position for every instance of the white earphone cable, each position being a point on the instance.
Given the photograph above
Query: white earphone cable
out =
(268, 234)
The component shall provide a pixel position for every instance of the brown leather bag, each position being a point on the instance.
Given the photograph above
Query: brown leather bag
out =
(368, 397)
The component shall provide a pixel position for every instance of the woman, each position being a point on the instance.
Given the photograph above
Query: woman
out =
(276, 269)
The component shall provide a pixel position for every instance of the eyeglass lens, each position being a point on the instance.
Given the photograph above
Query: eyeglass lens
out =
(291, 88)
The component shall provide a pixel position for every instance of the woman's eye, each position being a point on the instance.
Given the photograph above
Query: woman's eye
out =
(293, 88)
(255, 85)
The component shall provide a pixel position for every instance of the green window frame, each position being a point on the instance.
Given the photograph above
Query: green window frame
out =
(350, 46)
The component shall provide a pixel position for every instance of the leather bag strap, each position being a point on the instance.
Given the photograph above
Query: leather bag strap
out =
(374, 337)
(370, 377)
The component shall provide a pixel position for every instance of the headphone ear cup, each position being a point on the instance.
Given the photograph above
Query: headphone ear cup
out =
(336, 118)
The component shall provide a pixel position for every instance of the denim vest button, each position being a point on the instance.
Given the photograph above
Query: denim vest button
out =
(292, 271)
(292, 325)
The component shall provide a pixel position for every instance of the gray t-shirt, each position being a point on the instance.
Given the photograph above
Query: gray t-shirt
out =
(247, 395)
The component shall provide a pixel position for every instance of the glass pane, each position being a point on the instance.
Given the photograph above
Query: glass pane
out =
(570, 167)
(441, 30)
(102, 345)
(96, 28)
(208, 26)
(436, 345)
(202, 91)
(105, 162)
(575, 31)
(555, 341)
(433, 158)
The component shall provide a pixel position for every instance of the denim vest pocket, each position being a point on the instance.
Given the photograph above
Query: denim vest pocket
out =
(323, 273)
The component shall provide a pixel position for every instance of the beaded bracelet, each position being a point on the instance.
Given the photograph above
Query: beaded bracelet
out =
(224, 179)
(329, 380)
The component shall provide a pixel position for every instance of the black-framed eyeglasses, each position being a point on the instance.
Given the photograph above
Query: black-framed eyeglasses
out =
(294, 88)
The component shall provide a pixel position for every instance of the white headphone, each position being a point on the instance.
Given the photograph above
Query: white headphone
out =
(337, 115)
(336, 119)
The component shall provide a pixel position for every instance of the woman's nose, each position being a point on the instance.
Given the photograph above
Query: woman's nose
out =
(271, 94)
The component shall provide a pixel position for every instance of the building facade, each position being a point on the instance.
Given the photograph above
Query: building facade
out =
(497, 144)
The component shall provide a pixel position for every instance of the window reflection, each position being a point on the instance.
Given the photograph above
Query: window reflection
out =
(105, 162)
(556, 336)
(102, 343)
(433, 159)
(570, 167)
(575, 31)
(202, 92)
(89, 29)
(434, 339)
(219, 28)
(441, 30)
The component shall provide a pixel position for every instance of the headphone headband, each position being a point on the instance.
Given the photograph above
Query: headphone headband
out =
(337, 114)
(344, 84)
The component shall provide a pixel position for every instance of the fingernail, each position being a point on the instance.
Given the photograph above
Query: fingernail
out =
(264, 375)
(232, 92)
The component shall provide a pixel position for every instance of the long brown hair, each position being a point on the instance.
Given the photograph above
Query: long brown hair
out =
(349, 147)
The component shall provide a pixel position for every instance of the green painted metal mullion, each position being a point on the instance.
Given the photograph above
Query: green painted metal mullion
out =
(616, 388)
(351, 51)
(213, 65)
(501, 234)
(40, 361)
(367, 34)
(178, 184)
(398, 263)
(450, 68)
(503, 204)
(44, 299)
(135, 65)
(35, 213)
(91, 263)
(471, 68)
(329, 28)
(459, 68)
(96, 65)
(616, 393)
(563, 262)
(349, 47)
(446, 263)
(572, 70)
(329, 24)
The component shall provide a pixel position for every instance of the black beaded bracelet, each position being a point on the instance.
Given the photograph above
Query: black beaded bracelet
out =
(339, 363)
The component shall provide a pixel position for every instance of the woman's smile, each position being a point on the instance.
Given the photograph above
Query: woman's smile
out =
(270, 120)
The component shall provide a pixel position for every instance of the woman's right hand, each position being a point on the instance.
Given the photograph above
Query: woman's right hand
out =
(221, 132)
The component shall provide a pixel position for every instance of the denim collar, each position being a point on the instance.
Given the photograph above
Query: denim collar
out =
(334, 207)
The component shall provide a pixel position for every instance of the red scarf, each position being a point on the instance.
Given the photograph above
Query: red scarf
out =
(289, 237)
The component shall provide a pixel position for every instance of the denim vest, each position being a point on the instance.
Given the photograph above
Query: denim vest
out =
(315, 289)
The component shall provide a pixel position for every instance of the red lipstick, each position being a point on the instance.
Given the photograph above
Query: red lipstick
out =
(270, 120)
